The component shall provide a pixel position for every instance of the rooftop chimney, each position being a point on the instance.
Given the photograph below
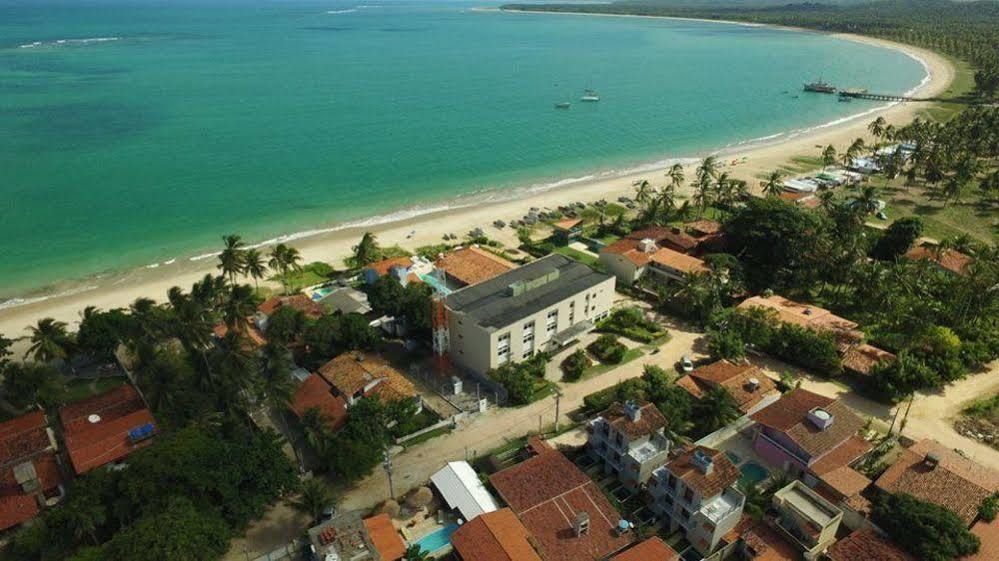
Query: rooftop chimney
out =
(647, 245)
(703, 462)
(821, 418)
(581, 524)
(752, 384)
(632, 410)
(931, 460)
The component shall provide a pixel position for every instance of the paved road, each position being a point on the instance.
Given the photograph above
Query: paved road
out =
(479, 435)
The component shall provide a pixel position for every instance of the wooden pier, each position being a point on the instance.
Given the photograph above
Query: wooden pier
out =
(877, 96)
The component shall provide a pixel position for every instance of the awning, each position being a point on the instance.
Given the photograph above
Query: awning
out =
(461, 488)
(573, 333)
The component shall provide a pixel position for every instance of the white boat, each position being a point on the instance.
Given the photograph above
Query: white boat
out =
(590, 95)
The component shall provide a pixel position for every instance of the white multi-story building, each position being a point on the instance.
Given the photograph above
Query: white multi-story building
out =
(540, 306)
(696, 491)
(629, 440)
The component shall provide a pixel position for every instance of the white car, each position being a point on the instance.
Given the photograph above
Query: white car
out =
(686, 364)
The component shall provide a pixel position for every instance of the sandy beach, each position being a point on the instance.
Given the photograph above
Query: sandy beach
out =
(120, 290)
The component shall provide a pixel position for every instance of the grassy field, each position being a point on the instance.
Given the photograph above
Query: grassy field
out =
(81, 388)
(957, 93)
(597, 370)
(940, 221)
(584, 258)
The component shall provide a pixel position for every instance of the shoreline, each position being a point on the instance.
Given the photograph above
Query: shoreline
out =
(417, 226)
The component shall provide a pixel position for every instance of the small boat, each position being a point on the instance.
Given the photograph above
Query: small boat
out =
(819, 87)
(590, 95)
(845, 99)
(563, 105)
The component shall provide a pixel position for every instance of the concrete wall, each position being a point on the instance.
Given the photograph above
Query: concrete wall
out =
(621, 267)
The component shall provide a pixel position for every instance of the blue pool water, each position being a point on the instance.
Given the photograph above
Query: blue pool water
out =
(436, 284)
(752, 473)
(437, 540)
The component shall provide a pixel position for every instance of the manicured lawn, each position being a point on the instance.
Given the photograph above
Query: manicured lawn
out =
(427, 436)
(584, 258)
(309, 275)
(598, 369)
(82, 388)
(940, 221)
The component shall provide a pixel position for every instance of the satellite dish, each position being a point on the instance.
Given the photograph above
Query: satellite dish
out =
(94, 418)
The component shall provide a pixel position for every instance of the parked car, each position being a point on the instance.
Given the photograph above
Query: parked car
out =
(686, 364)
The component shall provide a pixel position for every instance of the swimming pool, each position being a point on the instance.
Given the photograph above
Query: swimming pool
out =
(322, 292)
(435, 283)
(437, 540)
(752, 473)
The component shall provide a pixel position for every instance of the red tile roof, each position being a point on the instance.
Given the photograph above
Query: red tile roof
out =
(23, 437)
(949, 259)
(763, 543)
(678, 261)
(806, 315)
(352, 372)
(300, 302)
(863, 358)
(17, 509)
(746, 383)
(649, 421)
(253, 335)
(988, 537)
(723, 473)
(494, 536)
(382, 267)
(843, 455)
(702, 228)
(846, 481)
(96, 429)
(547, 491)
(629, 249)
(867, 545)
(789, 415)
(956, 483)
(385, 538)
(471, 265)
(652, 549)
(315, 392)
(567, 223)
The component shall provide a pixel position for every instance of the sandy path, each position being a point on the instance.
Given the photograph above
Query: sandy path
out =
(426, 229)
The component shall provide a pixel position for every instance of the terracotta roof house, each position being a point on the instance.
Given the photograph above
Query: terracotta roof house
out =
(703, 228)
(807, 315)
(988, 537)
(494, 536)
(948, 259)
(470, 265)
(756, 541)
(629, 440)
(568, 515)
(299, 302)
(747, 384)
(29, 470)
(105, 428)
(345, 536)
(354, 375)
(568, 229)
(673, 265)
(315, 392)
(866, 544)
(652, 549)
(932, 472)
(385, 538)
(254, 337)
(862, 359)
(807, 433)
(627, 258)
(397, 266)
(696, 491)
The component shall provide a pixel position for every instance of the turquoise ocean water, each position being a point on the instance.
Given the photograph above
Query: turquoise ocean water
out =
(139, 131)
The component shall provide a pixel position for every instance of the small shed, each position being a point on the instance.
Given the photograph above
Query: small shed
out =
(461, 488)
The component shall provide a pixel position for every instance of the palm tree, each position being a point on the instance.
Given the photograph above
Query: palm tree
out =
(416, 553)
(232, 260)
(717, 409)
(284, 259)
(877, 127)
(828, 156)
(366, 251)
(643, 191)
(827, 200)
(314, 497)
(315, 425)
(854, 150)
(675, 175)
(192, 324)
(703, 193)
(49, 340)
(867, 200)
(238, 307)
(773, 184)
(254, 266)
(707, 170)
(84, 516)
(276, 385)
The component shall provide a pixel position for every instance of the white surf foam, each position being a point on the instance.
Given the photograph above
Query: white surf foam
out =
(347, 11)
(16, 302)
(67, 42)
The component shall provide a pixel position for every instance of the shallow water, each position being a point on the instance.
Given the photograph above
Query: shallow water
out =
(139, 132)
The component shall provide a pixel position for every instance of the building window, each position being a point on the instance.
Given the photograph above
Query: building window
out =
(528, 340)
(688, 495)
(551, 323)
(572, 312)
(503, 349)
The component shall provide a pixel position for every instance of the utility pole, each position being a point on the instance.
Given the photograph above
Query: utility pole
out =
(387, 466)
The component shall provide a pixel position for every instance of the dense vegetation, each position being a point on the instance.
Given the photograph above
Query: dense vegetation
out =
(926, 530)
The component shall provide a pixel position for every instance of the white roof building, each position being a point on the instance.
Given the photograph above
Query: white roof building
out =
(461, 488)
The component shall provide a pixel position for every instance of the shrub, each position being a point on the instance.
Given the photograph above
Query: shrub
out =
(927, 530)
(575, 364)
(608, 349)
(519, 379)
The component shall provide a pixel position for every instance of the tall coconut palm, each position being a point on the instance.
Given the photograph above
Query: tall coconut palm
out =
(276, 386)
(877, 127)
(855, 149)
(416, 553)
(314, 496)
(676, 176)
(254, 266)
(283, 260)
(366, 251)
(192, 324)
(773, 184)
(717, 409)
(707, 170)
(703, 194)
(643, 191)
(49, 340)
(828, 156)
(239, 305)
(316, 427)
(232, 259)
